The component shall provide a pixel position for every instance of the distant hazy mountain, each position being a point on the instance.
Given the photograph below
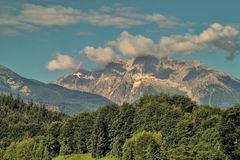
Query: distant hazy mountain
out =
(54, 96)
(122, 81)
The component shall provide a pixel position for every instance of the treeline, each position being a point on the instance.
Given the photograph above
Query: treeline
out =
(155, 128)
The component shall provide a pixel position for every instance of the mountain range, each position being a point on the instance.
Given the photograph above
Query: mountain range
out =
(125, 81)
(53, 96)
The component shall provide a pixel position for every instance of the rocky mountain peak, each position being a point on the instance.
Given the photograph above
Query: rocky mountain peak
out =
(125, 81)
(145, 60)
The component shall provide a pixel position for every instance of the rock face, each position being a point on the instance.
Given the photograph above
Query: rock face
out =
(53, 96)
(125, 81)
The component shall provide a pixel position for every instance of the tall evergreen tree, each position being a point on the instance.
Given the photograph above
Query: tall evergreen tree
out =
(123, 128)
(230, 132)
(101, 136)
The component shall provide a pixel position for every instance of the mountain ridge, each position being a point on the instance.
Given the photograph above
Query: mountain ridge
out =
(126, 81)
(53, 96)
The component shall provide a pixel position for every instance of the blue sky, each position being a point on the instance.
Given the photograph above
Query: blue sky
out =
(45, 39)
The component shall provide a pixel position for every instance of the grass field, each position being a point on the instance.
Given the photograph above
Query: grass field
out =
(82, 157)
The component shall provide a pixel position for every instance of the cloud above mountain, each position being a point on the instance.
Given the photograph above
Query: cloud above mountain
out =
(134, 45)
(216, 35)
(220, 37)
(63, 62)
(99, 55)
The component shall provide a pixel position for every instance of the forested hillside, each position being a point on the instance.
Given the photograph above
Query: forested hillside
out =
(23, 127)
(154, 128)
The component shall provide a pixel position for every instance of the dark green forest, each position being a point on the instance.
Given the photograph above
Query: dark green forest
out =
(157, 127)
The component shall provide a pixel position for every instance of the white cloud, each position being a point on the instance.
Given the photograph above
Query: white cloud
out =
(47, 16)
(134, 45)
(63, 62)
(110, 20)
(216, 35)
(163, 21)
(44, 16)
(13, 25)
(59, 15)
(99, 55)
